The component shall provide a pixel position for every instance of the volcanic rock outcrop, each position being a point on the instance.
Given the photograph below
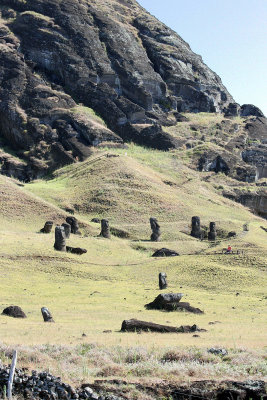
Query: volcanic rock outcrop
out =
(61, 60)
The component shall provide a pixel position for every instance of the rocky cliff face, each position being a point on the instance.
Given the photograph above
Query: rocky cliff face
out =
(60, 59)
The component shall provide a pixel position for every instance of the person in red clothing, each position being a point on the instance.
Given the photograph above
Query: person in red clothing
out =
(229, 249)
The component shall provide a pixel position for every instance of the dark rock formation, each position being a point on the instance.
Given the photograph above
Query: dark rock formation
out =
(55, 52)
(74, 225)
(47, 227)
(212, 233)
(256, 201)
(134, 325)
(165, 253)
(162, 280)
(231, 234)
(45, 386)
(60, 239)
(70, 210)
(96, 220)
(225, 390)
(155, 236)
(105, 231)
(47, 316)
(171, 302)
(218, 351)
(67, 229)
(249, 109)
(76, 250)
(14, 311)
(233, 110)
(196, 231)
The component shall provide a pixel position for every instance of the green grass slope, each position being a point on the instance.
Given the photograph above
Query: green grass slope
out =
(95, 292)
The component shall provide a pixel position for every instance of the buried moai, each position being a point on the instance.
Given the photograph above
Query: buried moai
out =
(60, 239)
(162, 280)
(67, 229)
(196, 231)
(155, 236)
(105, 231)
(47, 227)
(74, 225)
(47, 316)
(212, 233)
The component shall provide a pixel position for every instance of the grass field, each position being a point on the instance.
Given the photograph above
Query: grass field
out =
(95, 292)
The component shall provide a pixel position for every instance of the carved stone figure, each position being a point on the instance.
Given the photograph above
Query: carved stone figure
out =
(212, 233)
(74, 225)
(67, 229)
(155, 236)
(196, 232)
(105, 230)
(60, 239)
(47, 227)
(47, 316)
(162, 280)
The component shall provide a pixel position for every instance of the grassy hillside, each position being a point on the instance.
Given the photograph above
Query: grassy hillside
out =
(95, 292)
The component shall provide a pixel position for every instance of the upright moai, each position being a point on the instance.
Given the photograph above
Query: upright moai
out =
(67, 229)
(196, 231)
(60, 239)
(155, 236)
(74, 225)
(105, 231)
(47, 227)
(47, 316)
(162, 280)
(246, 227)
(212, 233)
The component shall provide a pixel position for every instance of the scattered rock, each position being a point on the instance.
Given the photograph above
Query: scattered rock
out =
(47, 227)
(231, 234)
(218, 351)
(14, 311)
(47, 316)
(165, 253)
(70, 210)
(249, 109)
(96, 220)
(155, 236)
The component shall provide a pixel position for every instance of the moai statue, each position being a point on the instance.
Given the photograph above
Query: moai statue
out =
(60, 239)
(67, 229)
(196, 232)
(74, 225)
(212, 233)
(155, 236)
(47, 316)
(47, 227)
(105, 232)
(162, 280)
(245, 228)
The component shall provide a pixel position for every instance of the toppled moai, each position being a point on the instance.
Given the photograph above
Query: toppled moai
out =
(105, 230)
(74, 225)
(67, 229)
(196, 231)
(47, 316)
(162, 280)
(212, 233)
(76, 250)
(47, 227)
(165, 253)
(155, 236)
(60, 239)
